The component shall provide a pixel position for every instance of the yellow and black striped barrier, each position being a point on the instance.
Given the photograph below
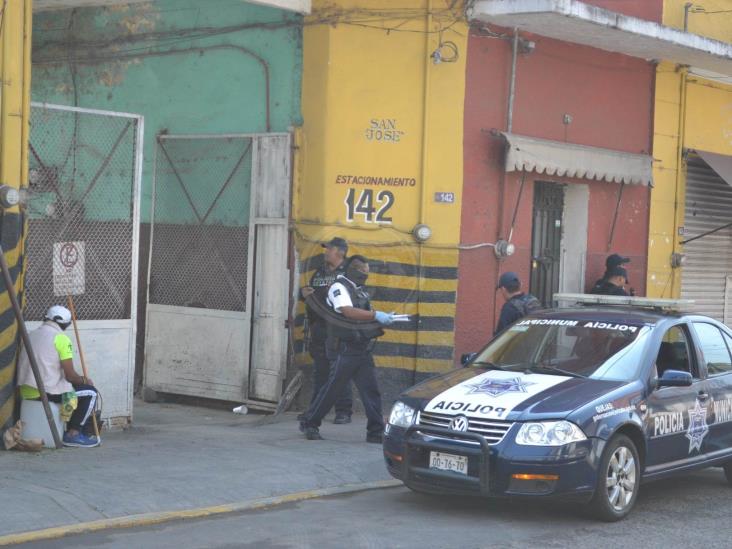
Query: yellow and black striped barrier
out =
(15, 74)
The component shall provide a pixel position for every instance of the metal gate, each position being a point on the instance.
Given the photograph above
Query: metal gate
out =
(83, 234)
(705, 274)
(218, 279)
(546, 240)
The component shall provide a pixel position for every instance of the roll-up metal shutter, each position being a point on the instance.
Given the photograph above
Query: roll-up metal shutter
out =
(709, 259)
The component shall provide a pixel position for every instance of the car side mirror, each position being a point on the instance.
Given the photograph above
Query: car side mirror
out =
(675, 378)
(467, 357)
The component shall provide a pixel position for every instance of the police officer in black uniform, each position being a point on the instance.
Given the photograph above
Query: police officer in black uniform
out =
(350, 348)
(518, 304)
(611, 263)
(322, 279)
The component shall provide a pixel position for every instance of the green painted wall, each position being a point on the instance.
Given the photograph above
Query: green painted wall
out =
(188, 66)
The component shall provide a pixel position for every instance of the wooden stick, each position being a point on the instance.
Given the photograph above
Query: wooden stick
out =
(70, 301)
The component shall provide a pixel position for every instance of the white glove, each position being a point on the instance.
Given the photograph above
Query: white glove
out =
(384, 318)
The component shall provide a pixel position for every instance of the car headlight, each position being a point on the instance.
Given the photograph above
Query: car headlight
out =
(549, 433)
(401, 415)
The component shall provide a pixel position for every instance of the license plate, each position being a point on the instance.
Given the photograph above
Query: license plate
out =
(449, 462)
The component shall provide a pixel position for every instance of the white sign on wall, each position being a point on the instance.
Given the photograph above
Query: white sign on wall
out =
(68, 268)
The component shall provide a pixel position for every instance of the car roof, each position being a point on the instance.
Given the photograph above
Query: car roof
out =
(611, 313)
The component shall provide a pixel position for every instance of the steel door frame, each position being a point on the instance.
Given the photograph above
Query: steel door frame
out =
(536, 278)
(251, 251)
(90, 325)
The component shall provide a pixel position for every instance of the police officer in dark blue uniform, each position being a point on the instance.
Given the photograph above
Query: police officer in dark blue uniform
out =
(322, 279)
(518, 304)
(613, 268)
(350, 347)
(613, 283)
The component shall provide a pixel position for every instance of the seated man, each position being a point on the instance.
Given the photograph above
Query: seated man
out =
(54, 355)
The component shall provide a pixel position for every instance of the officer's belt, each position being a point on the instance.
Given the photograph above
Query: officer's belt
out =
(330, 316)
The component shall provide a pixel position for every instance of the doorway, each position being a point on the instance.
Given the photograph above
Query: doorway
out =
(218, 277)
(546, 241)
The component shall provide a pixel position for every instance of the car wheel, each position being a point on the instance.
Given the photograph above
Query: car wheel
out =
(618, 480)
(728, 471)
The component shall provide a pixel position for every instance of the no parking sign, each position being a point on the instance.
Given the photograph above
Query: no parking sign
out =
(68, 268)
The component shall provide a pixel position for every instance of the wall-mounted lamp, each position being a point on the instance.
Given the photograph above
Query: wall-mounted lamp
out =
(504, 248)
(446, 52)
(677, 260)
(525, 47)
(9, 196)
(421, 232)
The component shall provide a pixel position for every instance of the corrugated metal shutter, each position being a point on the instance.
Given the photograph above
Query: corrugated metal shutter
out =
(709, 259)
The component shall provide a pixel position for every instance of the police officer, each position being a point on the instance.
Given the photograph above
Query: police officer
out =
(613, 282)
(351, 350)
(611, 262)
(518, 304)
(333, 265)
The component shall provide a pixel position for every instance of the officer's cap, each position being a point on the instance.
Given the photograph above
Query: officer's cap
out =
(337, 242)
(615, 260)
(508, 279)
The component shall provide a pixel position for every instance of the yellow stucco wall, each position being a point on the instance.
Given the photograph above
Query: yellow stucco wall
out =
(710, 18)
(690, 113)
(383, 127)
(15, 76)
(663, 223)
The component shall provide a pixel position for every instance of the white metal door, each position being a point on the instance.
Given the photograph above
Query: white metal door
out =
(574, 238)
(271, 207)
(83, 236)
(217, 199)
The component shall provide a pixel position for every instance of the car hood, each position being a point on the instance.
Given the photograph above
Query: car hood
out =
(497, 394)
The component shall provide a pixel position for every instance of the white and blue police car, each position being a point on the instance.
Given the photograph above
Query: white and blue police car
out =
(583, 403)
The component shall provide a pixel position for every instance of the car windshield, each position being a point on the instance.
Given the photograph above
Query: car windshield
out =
(580, 348)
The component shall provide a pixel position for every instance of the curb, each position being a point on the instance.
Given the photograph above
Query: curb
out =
(149, 519)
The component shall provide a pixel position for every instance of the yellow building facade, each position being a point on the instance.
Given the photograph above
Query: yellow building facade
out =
(379, 153)
(15, 74)
(692, 113)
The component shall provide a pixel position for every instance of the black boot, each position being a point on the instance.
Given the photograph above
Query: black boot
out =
(312, 433)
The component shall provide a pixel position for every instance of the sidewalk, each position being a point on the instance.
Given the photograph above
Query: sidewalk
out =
(179, 457)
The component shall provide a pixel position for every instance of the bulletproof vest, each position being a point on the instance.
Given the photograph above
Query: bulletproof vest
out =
(525, 304)
(360, 300)
(604, 287)
(321, 280)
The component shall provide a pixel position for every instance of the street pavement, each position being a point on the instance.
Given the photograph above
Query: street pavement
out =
(690, 511)
(178, 457)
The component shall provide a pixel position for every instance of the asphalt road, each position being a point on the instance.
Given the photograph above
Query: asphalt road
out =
(690, 511)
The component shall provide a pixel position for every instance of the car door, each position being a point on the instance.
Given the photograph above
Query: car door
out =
(714, 344)
(676, 420)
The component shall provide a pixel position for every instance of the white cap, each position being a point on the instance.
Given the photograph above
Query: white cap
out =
(59, 314)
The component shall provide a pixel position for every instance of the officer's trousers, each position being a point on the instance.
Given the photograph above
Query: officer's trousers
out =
(349, 365)
(321, 372)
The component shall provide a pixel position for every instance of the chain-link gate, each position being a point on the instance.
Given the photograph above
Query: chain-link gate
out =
(83, 232)
(201, 223)
(211, 196)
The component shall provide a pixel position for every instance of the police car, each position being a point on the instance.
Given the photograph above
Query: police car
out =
(583, 403)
